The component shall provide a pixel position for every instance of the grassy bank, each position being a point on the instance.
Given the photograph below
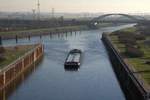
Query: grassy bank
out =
(42, 30)
(10, 54)
(139, 64)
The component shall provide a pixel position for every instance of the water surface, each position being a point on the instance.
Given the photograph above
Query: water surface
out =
(94, 80)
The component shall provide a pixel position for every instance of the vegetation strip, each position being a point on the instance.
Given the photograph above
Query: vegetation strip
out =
(13, 70)
(11, 53)
(130, 84)
(133, 47)
(42, 31)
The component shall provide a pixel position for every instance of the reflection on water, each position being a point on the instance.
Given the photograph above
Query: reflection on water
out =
(7, 91)
(95, 78)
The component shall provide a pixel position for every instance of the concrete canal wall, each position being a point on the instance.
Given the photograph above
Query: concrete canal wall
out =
(132, 88)
(12, 71)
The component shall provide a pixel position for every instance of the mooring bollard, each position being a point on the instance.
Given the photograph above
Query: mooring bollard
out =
(71, 33)
(29, 37)
(58, 35)
(50, 35)
(16, 39)
(0, 40)
(75, 33)
(80, 31)
(66, 35)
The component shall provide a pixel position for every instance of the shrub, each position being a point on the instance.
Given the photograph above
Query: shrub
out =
(2, 50)
(2, 57)
(147, 42)
(16, 47)
(140, 37)
(134, 52)
(147, 62)
(131, 45)
(127, 40)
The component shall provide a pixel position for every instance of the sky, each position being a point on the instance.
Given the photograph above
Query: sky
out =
(75, 6)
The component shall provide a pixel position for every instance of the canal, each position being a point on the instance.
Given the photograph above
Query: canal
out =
(94, 80)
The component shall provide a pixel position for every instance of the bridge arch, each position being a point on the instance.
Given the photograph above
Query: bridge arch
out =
(125, 15)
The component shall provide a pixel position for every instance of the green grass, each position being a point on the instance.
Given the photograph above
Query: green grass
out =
(131, 29)
(11, 54)
(115, 40)
(137, 63)
(146, 77)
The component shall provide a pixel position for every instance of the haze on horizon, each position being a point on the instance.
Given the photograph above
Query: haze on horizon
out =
(74, 6)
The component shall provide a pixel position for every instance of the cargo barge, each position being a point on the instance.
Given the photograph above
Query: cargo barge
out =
(73, 59)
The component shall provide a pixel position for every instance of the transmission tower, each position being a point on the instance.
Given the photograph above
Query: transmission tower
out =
(33, 11)
(53, 12)
(38, 10)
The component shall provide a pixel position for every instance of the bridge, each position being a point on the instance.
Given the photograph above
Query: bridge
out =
(133, 19)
